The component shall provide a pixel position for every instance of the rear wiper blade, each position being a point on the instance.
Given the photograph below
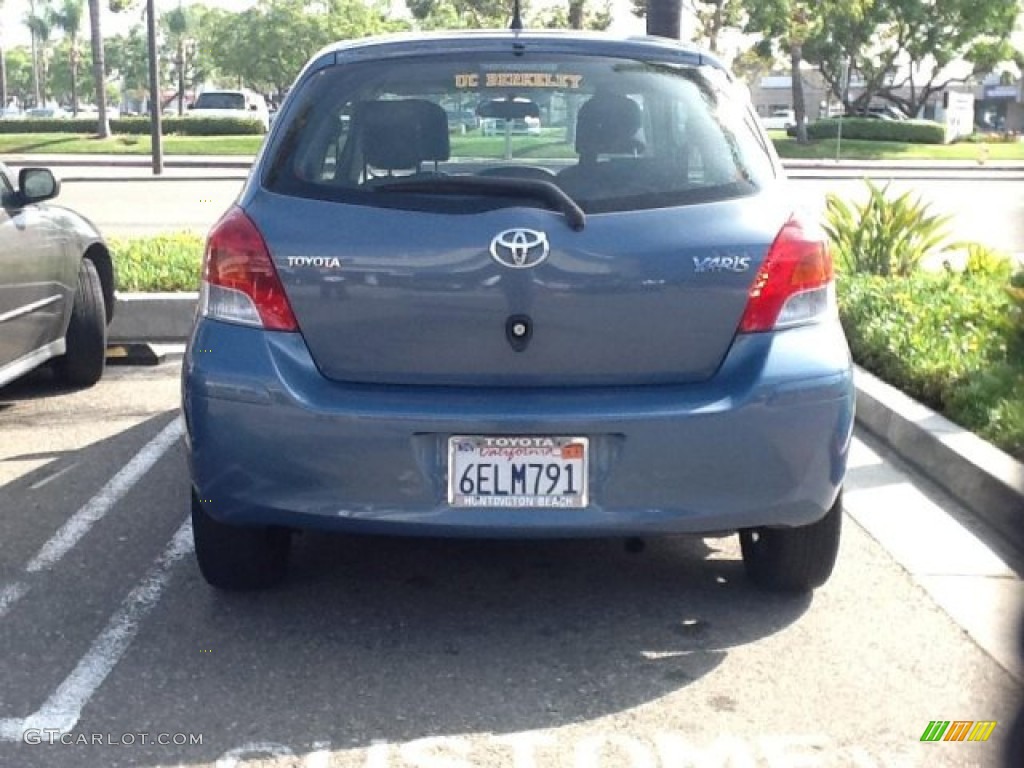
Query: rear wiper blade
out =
(493, 186)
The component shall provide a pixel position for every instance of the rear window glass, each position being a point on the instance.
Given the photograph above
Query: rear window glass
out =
(614, 134)
(220, 101)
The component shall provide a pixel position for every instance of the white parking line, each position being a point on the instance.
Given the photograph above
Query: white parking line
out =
(98, 506)
(11, 594)
(63, 708)
(47, 480)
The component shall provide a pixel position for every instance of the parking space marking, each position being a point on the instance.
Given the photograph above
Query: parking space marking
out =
(63, 708)
(47, 480)
(94, 510)
(11, 594)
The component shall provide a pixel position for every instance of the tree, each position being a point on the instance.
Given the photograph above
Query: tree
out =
(180, 27)
(68, 18)
(786, 24)
(462, 14)
(19, 74)
(750, 64)
(576, 16)
(934, 35)
(3, 63)
(126, 56)
(99, 69)
(711, 16)
(39, 29)
(901, 51)
(266, 46)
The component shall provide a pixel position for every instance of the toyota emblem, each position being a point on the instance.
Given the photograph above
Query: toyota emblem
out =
(520, 248)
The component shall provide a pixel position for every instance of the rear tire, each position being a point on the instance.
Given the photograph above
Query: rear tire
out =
(238, 557)
(793, 559)
(85, 355)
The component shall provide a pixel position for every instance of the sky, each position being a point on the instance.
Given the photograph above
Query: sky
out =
(13, 31)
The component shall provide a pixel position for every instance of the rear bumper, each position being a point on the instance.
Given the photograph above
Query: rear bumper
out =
(764, 442)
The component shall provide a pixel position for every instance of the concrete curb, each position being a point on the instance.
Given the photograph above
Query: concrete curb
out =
(152, 317)
(984, 479)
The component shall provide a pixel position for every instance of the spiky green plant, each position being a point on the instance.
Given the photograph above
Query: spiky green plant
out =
(883, 236)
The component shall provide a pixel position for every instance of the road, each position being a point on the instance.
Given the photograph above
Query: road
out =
(421, 654)
(988, 210)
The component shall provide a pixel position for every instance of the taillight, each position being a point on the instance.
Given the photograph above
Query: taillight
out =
(240, 283)
(795, 282)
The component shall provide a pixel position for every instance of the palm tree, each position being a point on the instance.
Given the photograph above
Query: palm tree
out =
(68, 18)
(38, 25)
(99, 69)
(179, 23)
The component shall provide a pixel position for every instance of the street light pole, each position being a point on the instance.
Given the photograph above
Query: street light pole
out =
(155, 129)
(844, 90)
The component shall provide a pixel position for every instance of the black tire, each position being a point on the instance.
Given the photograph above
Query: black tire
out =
(86, 354)
(237, 557)
(793, 559)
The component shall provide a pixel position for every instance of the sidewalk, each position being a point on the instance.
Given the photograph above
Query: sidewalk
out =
(137, 167)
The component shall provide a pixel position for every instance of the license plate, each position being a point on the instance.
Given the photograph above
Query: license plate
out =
(527, 471)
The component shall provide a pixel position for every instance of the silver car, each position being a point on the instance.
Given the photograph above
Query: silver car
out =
(56, 283)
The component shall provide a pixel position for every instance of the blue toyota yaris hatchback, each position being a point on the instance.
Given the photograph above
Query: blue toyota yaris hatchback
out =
(612, 324)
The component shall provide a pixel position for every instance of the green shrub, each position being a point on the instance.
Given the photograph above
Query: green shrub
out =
(989, 138)
(1015, 291)
(49, 125)
(191, 126)
(984, 260)
(882, 236)
(947, 339)
(185, 126)
(158, 263)
(908, 131)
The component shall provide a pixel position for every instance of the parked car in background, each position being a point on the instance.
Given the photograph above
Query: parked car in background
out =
(11, 113)
(886, 112)
(241, 104)
(779, 120)
(528, 125)
(631, 334)
(460, 121)
(47, 113)
(91, 110)
(56, 283)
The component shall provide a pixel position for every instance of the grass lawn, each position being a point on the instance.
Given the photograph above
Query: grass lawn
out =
(545, 146)
(858, 149)
(81, 144)
(551, 144)
(158, 263)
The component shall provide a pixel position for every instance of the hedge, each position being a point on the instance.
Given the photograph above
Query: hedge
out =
(908, 131)
(950, 340)
(185, 126)
(167, 262)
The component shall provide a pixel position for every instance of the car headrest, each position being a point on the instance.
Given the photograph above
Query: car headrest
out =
(402, 134)
(607, 124)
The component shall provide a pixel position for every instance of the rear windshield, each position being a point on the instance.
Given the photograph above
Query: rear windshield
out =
(614, 134)
(220, 101)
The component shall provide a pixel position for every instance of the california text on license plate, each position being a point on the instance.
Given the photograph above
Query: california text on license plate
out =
(521, 471)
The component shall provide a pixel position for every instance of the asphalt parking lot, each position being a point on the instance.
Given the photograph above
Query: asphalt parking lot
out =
(380, 653)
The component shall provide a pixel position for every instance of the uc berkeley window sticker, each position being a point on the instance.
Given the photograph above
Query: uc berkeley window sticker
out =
(561, 80)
